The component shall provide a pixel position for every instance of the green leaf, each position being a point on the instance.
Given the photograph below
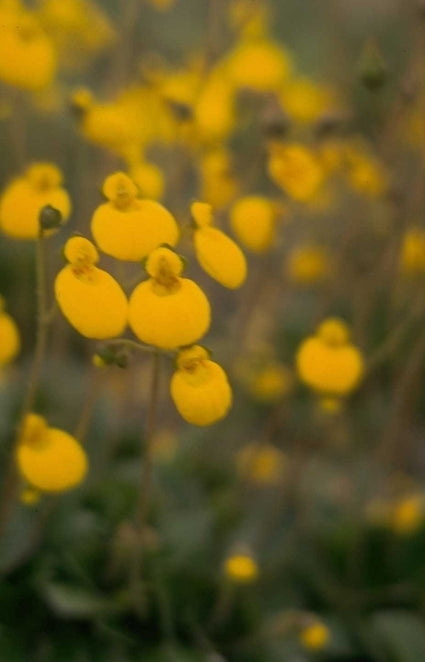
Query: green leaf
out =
(402, 633)
(74, 602)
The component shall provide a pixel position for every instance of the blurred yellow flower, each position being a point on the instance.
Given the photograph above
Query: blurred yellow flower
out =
(168, 311)
(257, 64)
(407, 514)
(218, 183)
(149, 179)
(217, 254)
(127, 227)
(261, 463)
(327, 362)
(90, 298)
(241, 568)
(10, 342)
(253, 220)
(25, 196)
(214, 111)
(304, 100)
(315, 636)
(295, 169)
(308, 264)
(412, 255)
(50, 459)
(364, 172)
(199, 387)
(27, 56)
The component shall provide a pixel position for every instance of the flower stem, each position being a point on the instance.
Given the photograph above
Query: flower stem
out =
(43, 320)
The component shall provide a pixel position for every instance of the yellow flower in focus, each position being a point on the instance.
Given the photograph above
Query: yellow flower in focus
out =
(217, 254)
(168, 311)
(412, 257)
(407, 515)
(23, 199)
(10, 342)
(90, 298)
(241, 568)
(296, 170)
(127, 227)
(50, 459)
(253, 220)
(78, 29)
(149, 179)
(199, 387)
(257, 64)
(327, 362)
(261, 463)
(304, 100)
(308, 264)
(27, 57)
(315, 637)
(218, 183)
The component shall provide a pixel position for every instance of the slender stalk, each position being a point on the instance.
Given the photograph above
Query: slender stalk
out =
(143, 503)
(95, 381)
(43, 320)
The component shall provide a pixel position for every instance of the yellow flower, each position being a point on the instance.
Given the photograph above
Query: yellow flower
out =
(270, 382)
(408, 514)
(9, 336)
(23, 199)
(129, 228)
(263, 463)
(328, 362)
(50, 459)
(253, 220)
(90, 298)
(168, 311)
(148, 178)
(27, 57)
(199, 387)
(412, 257)
(214, 111)
(241, 568)
(296, 170)
(308, 264)
(305, 100)
(365, 173)
(218, 183)
(314, 637)
(217, 254)
(257, 64)
(78, 29)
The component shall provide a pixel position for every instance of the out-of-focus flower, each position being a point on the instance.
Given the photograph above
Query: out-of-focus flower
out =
(253, 220)
(217, 254)
(327, 362)
(308, 264)
(168, 311)
(10, 342)
(218, 184)
(257, 64)
(214, 111)
(304, 100)
(50, 459)
(25, 196)
(364, 172)
(27, 56)
(79, 30)
(164, 446)
(127, 227)
(148, 178)
(412, 255)
(200, 388)
(90, 298)
(295, 169)
(241, 568)
(315, 636)
(407, 514)
(261, 463)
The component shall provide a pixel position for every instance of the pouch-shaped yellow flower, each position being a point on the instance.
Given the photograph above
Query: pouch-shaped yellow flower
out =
(90, 298)
(217, 254)
(9, 336)
(23, 199)
(253, 220)
(168, 311)
(328, 362)
(199, 388)
(127, 227)
(50, 459)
